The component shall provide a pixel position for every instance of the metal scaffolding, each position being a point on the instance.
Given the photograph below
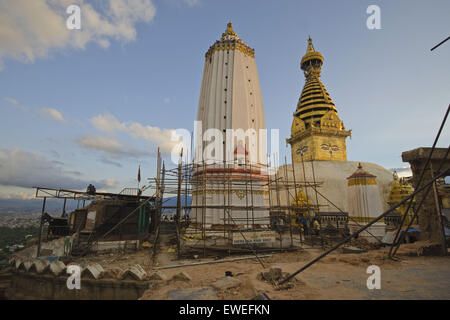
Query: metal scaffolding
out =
(289, 220)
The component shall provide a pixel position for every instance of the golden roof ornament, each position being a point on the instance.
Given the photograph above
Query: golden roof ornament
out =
(399, 191)
(361, 177)
(395, 175)
(310, 47)
(229, 32)
(312, 58)
(230, 41)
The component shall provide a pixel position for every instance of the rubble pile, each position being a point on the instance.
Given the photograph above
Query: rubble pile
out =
(274, 275)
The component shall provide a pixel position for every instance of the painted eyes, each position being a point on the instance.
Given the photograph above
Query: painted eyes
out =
(302, 150)
(329, 147)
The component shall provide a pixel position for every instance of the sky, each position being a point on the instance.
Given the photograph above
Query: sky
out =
(91, 105)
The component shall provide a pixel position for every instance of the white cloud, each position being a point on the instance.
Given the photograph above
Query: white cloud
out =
(52, 114)
(110, 182)
(27, 169)
(161, 137)
(107, 123)
(192, 3)
(33, 29)
(100, 143)
(16, 104)
(110, 146)
(182, 3)
(402, 172)
(11, 100)
(46, 113)
(17, 196)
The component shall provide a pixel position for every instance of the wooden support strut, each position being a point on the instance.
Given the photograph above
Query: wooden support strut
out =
(40, 228)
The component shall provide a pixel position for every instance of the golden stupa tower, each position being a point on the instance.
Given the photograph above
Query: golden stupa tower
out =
(317, 132)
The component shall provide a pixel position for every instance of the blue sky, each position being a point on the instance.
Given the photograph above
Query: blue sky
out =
(92, 106)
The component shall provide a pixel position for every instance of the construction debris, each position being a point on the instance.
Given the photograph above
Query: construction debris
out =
(146, 244)
(39, 266)
(206, 293)
(182, 276)
(93, 271)
(135, 272)
(159, 276)
(274, 276)
(57, 267)
(113, 273)
(353, 250)
(261, 296)
(226, 283)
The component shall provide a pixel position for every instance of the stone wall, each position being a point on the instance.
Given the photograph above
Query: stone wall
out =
(38, 279)
(47, 287)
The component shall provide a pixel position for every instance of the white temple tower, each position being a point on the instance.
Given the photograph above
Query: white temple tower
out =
(233, 173)
(364, 204)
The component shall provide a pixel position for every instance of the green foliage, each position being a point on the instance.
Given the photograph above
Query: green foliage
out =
(11, 236)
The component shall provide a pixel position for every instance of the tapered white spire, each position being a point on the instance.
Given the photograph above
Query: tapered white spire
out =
(230, 96)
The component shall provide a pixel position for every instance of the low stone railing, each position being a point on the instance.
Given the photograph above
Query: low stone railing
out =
(41, 279)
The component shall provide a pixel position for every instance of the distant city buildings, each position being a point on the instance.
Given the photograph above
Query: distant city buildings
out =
(18, 220)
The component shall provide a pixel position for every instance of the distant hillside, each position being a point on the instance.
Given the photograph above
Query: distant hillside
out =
(56, 205)
(172, 202)
(35, 205)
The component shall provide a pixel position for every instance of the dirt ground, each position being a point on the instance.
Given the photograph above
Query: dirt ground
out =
(337, 276)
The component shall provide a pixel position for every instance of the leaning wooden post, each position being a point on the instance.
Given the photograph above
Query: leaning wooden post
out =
(40, 229)
(64, 209)
(180, 180)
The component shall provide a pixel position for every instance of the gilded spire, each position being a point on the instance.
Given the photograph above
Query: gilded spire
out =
(230, 41)
(312, 58)
(310, 47)
(229, 32)
(315, 101)
(316, 118)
